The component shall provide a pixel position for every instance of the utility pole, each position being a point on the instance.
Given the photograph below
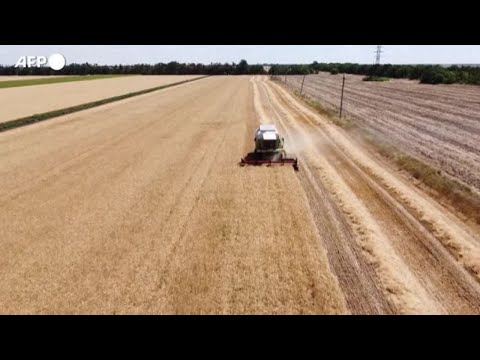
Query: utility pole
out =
(341, 99)
(378, 54)
(301, 90)
(287, 74)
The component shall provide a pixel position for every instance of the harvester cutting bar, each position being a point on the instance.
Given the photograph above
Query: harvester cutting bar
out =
(269, 162)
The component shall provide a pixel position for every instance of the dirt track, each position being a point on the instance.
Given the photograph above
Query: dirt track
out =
(140, 207)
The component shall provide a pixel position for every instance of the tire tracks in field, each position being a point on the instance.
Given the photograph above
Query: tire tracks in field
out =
(446, 286)
(452, 232)
(355, 275)
(429, 261)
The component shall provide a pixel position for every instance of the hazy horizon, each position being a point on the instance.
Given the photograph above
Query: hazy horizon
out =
(253, 54)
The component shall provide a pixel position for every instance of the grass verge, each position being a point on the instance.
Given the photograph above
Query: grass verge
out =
(53, 80)
(12, 124)
(332, 115)
(458, 195)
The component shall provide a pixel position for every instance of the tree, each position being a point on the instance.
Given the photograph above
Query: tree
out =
(242, 67)
(433, 75)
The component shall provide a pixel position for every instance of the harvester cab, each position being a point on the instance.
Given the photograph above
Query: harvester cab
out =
(267, 139)
(269, 149)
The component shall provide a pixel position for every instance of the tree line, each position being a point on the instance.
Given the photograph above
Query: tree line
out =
(427, 74)
(171, 68)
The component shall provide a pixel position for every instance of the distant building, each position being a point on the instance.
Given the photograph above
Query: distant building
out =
(266, 68)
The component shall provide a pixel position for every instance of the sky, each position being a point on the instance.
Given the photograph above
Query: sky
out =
(254, 54)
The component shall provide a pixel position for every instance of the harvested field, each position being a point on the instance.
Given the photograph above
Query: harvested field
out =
(140, 206)
(44, 98)
(439, 124)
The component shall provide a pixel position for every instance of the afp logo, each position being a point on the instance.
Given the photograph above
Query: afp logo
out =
(54, 61)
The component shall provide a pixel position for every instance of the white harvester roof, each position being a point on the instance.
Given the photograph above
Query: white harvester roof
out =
(267, 127)
(269, 135)
(266, 132)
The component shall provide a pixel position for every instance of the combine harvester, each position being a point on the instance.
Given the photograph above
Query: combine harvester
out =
(269, 149)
